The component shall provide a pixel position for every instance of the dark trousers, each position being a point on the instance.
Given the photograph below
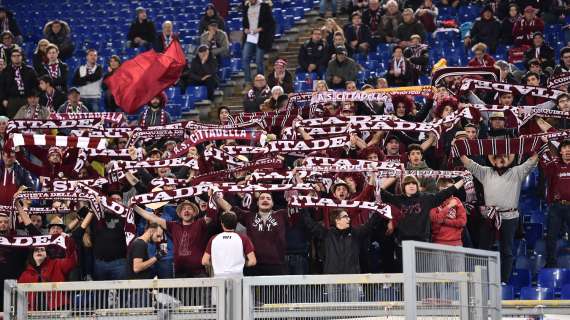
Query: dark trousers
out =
(297, 264)
(507, 231)
(558, 214)
(265, 270)
(14, 104)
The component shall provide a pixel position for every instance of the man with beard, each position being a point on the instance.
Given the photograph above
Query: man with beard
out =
(154, 114)
(190, 236)
(502, 185)
(266, 228)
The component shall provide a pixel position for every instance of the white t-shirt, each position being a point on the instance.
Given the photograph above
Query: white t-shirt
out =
(228, 251)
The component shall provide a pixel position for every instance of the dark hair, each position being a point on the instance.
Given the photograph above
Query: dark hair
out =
(471, 125)
(115, 57)
(229, 220)
(397, 47)
(441, 182)
(530, 74)
(335, 214)
(534, 61)
(562, 95)
(564, 143)
(415, 146)
(152, 225)
(47, 79)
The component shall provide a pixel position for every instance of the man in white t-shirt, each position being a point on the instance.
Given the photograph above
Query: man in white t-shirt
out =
(228, 252)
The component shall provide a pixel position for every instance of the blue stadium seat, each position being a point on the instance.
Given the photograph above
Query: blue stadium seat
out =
(553, 278)
(197, 93)
(533, 232)
(520, 278)
(507, 292)
(565, 292)
(537, 262)
(537, 293)
(521, 262)
(236, 65)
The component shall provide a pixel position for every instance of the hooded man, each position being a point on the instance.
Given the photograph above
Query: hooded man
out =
(341, 69)
(154, 114)
(8, 23)
(142, 32)
(486, 29)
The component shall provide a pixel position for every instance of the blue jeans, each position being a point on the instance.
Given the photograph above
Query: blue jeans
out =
(558, 214)
(323, 6)
(91, 103)
(297, 264)
(249, 50)
(165, 268)
(507, 230)
(110, 270)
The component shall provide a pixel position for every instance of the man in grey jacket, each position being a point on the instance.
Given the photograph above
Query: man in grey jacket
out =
(341, 69)
(502, 185)
(216, 40)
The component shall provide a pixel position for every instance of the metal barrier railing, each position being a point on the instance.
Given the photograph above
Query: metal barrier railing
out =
(439, 282)
(475, 296)
(203, 298)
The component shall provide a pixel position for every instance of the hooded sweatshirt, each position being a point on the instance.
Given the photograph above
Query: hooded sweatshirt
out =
(413, 220)
(447, 224)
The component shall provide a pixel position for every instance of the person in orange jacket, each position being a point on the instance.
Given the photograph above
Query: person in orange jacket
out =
(448, 219)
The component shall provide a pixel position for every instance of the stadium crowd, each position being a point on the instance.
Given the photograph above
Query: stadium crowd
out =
(186, 236)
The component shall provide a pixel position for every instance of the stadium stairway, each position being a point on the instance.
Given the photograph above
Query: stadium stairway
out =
(285, 47)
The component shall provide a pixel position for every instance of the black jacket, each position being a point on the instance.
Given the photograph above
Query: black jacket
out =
(363, 35)
(59, 98)
(144, 30)
(80, 81)
(60, 83)
(12, 25)
(9, 87)
(486, 31)
(414, 221)
(313, 53)
(546, 52)
(199, 70)
(266, 23)
(205, 21)
(341, 247)
(287, 84)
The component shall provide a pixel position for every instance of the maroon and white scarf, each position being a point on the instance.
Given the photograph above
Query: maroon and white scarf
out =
(53, 69)
(33, 241)
(156, 133)
(222, 156)
(291, 146)
(308, 201)
(468, 84)
(18, 79)
(27, 139)
(560, 80)
(113, 117)
(200, 136)
(33, 124)
(482, 147)
(440, 75)
(170, 195)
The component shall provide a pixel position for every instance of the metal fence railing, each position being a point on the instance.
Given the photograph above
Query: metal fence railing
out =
(468, 284)
(203, 298)
(439, 282)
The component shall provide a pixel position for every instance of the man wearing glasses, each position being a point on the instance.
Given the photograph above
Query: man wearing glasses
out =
(18, 80)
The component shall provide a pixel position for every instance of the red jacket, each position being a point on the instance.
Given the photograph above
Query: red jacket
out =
(51, 270)
(445, 230)
(486, 61)
(523, 31)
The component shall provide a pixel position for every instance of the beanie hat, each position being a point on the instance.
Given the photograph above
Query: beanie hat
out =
(56, 150)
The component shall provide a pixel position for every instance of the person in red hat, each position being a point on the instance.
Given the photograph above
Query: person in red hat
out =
(154, 114)
(526, 27)
(280, 76)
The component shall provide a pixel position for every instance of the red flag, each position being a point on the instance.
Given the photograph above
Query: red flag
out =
(138, 80)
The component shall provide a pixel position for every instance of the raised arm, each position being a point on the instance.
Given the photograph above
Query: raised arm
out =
(316, 229)
(150, 217)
